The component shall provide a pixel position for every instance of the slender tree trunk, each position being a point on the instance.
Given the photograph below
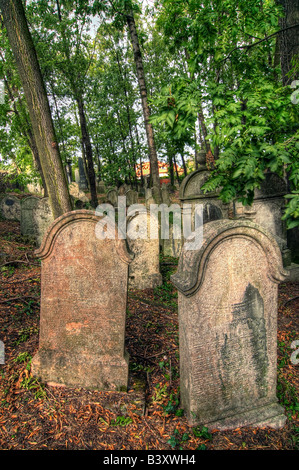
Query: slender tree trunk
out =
(25, 128)
(123, 81)
(39, 110)
(184, 164)
(146, 111)
(176, 169)
(88, 153)
(140, 159)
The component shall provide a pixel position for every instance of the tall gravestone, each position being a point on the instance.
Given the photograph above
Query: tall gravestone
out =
(83, 183)
(83, 305)
(144, 270)
(228, 326)
(36, 217)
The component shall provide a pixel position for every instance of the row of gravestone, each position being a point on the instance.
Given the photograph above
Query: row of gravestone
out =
(35, 217)
(132, 195)
(227, 306)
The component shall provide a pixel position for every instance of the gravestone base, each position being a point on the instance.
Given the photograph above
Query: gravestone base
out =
(81, 371)
(149, 281)
(271, 415)
(293, 275)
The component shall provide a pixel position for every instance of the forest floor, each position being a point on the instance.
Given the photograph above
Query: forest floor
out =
(36, 416)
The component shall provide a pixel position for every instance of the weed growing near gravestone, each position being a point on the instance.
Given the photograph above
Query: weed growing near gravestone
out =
(121, 421)
(177, 440)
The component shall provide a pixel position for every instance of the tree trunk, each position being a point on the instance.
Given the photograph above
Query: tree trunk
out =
(289, 41)
(88, 153)
(146, 111)
(39, 110)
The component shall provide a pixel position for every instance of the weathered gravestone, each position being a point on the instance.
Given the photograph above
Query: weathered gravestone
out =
(267, 210)
(123, 189)
(228, 326)
(76, 193)
(83, 305)
(101, 187)
(149, 198)
(190, 192)
(83, 183)
(112, 197)
(165, 194)
(131, 197)
(172, 245)
(143, 242)
(10, 208)
(36, 217)
(268, 205)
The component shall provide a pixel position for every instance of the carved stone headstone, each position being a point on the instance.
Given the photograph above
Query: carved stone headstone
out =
(83, 305)
(131, 197)
(112, 197)
(36, 217)
(228, 326)
(144, 270)
(10, 208)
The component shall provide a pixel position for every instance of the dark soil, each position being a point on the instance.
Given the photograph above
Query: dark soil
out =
(35, 416)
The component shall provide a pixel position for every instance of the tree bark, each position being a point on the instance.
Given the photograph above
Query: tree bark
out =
(289, 41)
(88, 153)
(38, 106)
(146, 111)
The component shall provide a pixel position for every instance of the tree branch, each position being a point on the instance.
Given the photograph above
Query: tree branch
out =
(249, 46)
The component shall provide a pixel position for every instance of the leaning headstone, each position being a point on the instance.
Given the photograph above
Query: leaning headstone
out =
(10, 208)
(83, 304)
(228, 326)
(143, 242)
(75, 192)
(36, 217)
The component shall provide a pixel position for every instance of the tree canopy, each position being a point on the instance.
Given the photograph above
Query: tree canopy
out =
(129, 82)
